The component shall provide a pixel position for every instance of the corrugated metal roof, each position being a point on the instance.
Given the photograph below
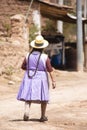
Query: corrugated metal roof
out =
(54, 11)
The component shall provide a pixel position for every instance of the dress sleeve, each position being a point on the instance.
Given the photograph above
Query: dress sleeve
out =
(24, 64)
(48, 65)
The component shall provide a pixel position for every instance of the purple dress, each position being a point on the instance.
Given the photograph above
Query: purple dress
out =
(35, 89)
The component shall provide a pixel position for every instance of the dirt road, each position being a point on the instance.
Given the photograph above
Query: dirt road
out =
(67, 109)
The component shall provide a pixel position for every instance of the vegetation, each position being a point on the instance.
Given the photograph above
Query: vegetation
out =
(49, 27)
(33, 29)
(9, 70)
(7, 28)
(69, 32)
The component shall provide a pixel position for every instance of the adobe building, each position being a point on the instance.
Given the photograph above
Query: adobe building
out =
(57, 12)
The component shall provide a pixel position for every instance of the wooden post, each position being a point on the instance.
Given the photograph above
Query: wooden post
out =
(63, 53)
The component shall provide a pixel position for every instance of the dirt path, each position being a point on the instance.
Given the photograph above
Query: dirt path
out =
(67, 109)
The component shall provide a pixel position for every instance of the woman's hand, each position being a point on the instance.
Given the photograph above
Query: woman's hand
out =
(53, 84)
(53, 80)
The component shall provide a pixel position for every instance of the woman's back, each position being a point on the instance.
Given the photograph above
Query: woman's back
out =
(37, 58)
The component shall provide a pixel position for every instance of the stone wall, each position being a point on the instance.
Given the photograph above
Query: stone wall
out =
(19, 30)
(9, 8)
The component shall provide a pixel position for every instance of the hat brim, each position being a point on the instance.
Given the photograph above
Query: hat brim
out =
(45, 44)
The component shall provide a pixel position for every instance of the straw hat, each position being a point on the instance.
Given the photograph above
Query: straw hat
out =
(39, 42)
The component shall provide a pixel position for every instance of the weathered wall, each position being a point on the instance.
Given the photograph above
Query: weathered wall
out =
(9, 8)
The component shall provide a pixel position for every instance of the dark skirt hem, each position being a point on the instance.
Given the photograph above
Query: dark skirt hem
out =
(33, 101)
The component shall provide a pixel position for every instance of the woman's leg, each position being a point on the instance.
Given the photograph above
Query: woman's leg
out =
(43, 111)
(26, 110)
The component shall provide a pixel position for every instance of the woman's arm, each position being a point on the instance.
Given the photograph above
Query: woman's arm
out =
(51, 72)
(23, 66)
(53, 79)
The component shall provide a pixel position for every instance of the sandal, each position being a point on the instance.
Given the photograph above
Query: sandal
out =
(42, 119)
(25, 117)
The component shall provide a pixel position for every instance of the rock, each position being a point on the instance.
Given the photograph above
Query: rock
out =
(11, 83)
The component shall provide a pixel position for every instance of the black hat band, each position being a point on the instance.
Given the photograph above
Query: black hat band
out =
(38, 45)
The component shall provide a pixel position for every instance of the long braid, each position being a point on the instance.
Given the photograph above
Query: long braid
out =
(36, 65)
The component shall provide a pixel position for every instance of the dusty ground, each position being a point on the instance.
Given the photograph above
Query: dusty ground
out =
(67, 109)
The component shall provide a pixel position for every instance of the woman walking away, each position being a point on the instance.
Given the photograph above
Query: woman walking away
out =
(35, 85)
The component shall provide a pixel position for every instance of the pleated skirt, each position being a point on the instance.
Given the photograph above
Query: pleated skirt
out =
(34, 89)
